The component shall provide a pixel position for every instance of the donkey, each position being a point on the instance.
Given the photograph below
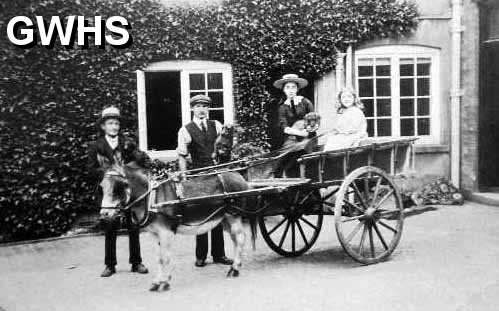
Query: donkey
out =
(123, 186)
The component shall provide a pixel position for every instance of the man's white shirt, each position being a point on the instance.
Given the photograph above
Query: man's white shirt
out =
(184, 138)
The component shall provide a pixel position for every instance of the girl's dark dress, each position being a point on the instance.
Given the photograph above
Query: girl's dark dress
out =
(289, 113)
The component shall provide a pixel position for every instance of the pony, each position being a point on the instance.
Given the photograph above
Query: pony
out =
(127, 188)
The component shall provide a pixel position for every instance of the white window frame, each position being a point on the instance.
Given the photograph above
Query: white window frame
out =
(395, 53)
(185, 67)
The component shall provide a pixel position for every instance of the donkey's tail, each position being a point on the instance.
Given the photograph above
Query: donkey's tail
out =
(253, 223)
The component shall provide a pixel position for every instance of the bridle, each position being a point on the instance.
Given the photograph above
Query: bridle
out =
(114, 173)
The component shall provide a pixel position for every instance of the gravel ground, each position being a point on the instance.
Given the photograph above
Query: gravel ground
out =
(447, 260)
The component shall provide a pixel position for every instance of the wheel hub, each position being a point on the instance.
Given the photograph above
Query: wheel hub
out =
(370, 213)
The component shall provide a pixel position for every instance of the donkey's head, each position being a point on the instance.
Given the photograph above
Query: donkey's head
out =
(116, 191)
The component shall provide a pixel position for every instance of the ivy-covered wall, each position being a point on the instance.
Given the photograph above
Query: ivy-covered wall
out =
(50, 98)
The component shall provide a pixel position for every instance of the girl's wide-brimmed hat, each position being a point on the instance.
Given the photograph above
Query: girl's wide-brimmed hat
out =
(110, 113)
(290, 77)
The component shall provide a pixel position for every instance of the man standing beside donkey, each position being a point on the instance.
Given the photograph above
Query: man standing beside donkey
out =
(115, 149)
(197, 138)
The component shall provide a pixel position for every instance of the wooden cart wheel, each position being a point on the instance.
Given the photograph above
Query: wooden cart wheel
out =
(368, 215)
(296, 225)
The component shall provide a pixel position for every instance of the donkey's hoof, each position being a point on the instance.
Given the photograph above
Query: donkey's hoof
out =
(154, 287)
(163, 286)
(232, 273)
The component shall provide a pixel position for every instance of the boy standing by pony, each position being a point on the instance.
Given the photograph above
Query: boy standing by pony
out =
(197, 138)
(113, 147)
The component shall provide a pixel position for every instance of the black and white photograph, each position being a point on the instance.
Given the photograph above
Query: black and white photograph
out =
(219, 155)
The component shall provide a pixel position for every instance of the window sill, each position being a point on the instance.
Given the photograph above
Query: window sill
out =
(431, 148)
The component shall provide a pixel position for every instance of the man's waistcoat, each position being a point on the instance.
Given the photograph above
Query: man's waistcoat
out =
(202, 145)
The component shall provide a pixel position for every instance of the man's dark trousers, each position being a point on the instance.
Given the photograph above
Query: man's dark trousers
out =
(111, 228)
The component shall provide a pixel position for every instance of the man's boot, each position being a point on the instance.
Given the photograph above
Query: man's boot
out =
(108, 271)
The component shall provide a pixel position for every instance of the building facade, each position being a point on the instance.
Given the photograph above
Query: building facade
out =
(439, 84)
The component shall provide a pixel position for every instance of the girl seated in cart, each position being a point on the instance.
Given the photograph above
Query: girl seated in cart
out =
(350, 125)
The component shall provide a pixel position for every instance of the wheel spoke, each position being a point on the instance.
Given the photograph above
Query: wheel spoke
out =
(387, 226)
(277, 226)
(380, 236)
(352, 218)
(362, 239)
(376, 189)
(371, 242)
(297, 196)
(366, 188)
(389, 214)
(354, 232)
(308, 223)
(359, 195)
(293, 246)
(284, 234)
(302, 233)
(305, 197)
(354, 206)
(383, 199)
(331, 194)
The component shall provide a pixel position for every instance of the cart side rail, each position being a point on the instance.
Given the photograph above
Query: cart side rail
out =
(394, 156)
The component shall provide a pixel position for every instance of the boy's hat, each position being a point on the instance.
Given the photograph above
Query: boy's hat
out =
(110, 113)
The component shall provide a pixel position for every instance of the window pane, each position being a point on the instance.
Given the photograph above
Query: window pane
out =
(368, 107)
(383, 67)
(423, 106)
(217, 98)
(407, 127)
(215, 81)
(424, 66)
(370, 127)
(192, 94)
(423, 126)
(365, 88)
(406, 107)
(217, 115)
(383, 87)
(384, 107)
(407, 87)
(406, 67)
(384, 127)
(365, 71)
(196, 81)
(365, 66)
(423, 86)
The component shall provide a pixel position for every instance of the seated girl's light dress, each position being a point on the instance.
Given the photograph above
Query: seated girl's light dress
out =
(350, 128)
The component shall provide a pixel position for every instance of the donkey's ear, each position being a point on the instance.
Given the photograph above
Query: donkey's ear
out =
(104, 162)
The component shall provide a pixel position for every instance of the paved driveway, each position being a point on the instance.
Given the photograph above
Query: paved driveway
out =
(447, 260)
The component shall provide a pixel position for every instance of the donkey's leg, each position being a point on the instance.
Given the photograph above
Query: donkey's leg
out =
(238, 237)
(165, 240)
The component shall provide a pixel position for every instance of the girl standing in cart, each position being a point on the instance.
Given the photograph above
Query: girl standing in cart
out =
(350, 126)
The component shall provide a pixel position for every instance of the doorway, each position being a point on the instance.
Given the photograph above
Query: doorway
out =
(164, 109)
(489, 101)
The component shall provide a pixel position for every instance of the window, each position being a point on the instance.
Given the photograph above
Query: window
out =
(164, 90)
(398, 86)
(211, 84)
